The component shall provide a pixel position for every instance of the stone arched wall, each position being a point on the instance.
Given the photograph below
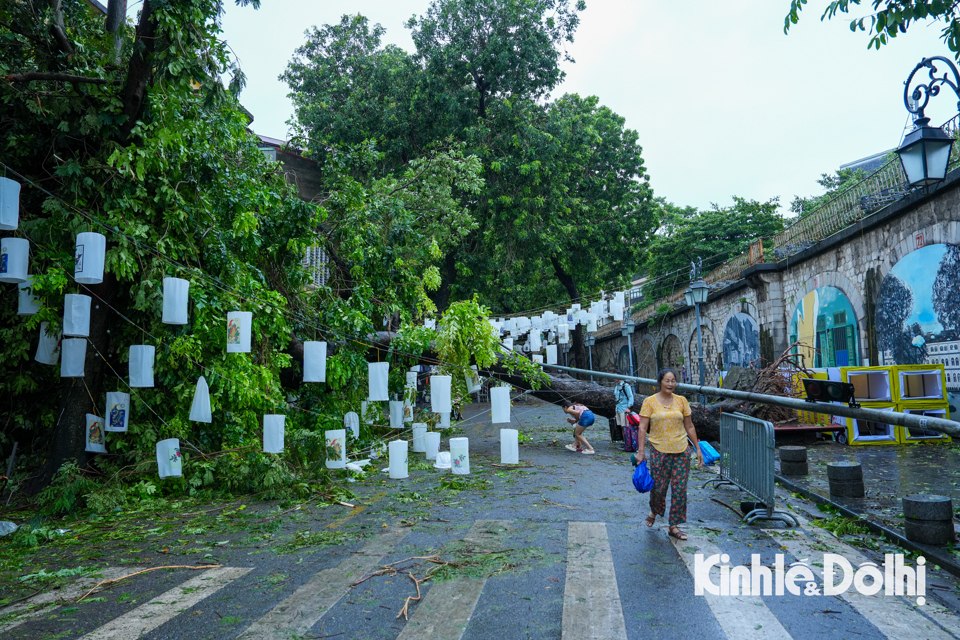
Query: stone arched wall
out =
(646, 358)
(671, 351)
(692, 364)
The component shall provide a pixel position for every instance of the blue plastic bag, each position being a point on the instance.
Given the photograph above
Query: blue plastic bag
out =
(710, 454)
(641, 478)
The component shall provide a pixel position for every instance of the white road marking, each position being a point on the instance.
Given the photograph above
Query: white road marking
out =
(447, 607)
(591, 598)
(740, 617)
(166, 606)
(33, 607)
(302, 609)
(892, 615)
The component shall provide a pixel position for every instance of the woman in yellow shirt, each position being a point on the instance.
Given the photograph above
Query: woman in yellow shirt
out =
(668, 417)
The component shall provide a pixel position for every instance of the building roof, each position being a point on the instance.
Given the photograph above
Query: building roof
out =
(868, 164)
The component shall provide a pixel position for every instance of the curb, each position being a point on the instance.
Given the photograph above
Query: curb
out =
(947, 562)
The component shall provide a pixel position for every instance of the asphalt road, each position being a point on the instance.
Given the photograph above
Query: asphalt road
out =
(556, 549)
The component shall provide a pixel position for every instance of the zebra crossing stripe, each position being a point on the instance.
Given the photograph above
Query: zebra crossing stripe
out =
(167, 605)
(741, 617)
(893, 616)
(75, 590)
(297, 613)
(591, 599)
(447, 607)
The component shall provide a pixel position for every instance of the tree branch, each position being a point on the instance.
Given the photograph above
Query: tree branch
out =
(57, 28)
(30, 76)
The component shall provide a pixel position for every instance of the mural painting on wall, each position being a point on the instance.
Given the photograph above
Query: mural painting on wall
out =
(826, 328)
(741, 341)
(623, 361)
(918, 313)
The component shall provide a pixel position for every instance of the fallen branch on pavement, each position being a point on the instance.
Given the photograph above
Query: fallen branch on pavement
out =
(104, 583)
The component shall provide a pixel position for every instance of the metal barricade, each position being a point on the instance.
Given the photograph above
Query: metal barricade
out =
(747, 448)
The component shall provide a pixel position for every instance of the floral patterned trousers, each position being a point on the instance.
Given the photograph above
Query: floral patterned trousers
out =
(670, 470)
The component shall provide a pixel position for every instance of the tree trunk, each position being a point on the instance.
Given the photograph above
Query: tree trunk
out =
(79, 395)
(139, 71)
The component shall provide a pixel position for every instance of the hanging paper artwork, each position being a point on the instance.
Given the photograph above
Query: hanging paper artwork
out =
(419, 437)
(444, 419)
(96, 439)
(273, 433)
(535, 342)
(314, 361)
(396, 414)
(508, 344)
(74, 354)
(398, 459)
(378, 374)
(500, 404)
(76, 315)
(440, 400)
(14, 260)
(200, 408)
(169, 458)
(351, 421)
(48, 349)
(90, 255)
(118, 411)
(460, 455)
(433, 444)
(430, 323)
(616, 311)
(27, 303)
(176, 300)
(9, 204)
(563, 334)
(239, 329)
(336, 448)
(591, 322)
(472, 377)
(509, 446)
(538, 358)
(141, 365)
(551, 354)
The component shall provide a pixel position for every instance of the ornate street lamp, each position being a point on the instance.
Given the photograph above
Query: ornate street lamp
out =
(925, 152)
(590, 341)
(695, 295)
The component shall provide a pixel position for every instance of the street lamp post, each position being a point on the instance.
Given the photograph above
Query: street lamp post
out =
(626, 330)
(590, 341)
(925, 152)
(696, 294)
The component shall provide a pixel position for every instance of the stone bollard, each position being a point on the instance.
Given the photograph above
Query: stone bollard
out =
(928, 519)
(846, 479)
(793, 461)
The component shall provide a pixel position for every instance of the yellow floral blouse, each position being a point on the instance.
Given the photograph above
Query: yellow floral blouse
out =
(667, 434)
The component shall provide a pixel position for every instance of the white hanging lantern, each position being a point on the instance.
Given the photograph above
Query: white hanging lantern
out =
(563, 334)
(440, 394)
(430, 323)
(378, 373)
(432, 440)
(273, 433)
(14, 259)
(48, 349)
(351, 422)
(200, 409)
(9, 204)
(616, 311)
(398, 459)
(141, 365)
(239, 330)
(591, 322)
(535, 343)
(169, 459)
(412, 380)
(91, 253)
(336, 448)
(407, 411)
(472, 377)
(74, 354)
(538, 358)
(460, 455)
(508, 344)
(509, 446)
(27, 303)
(419, 437)
(118, 411)
(396, 414)
(96, 438)
(551, 354)
(76, 315)
(314, 361)
(500, 404)
(176, 297)
(444, 419)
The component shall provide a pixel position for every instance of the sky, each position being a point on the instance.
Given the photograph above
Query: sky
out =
(724, 103)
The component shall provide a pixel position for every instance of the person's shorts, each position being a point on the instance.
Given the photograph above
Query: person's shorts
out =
(622, 419)
(586, 419)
